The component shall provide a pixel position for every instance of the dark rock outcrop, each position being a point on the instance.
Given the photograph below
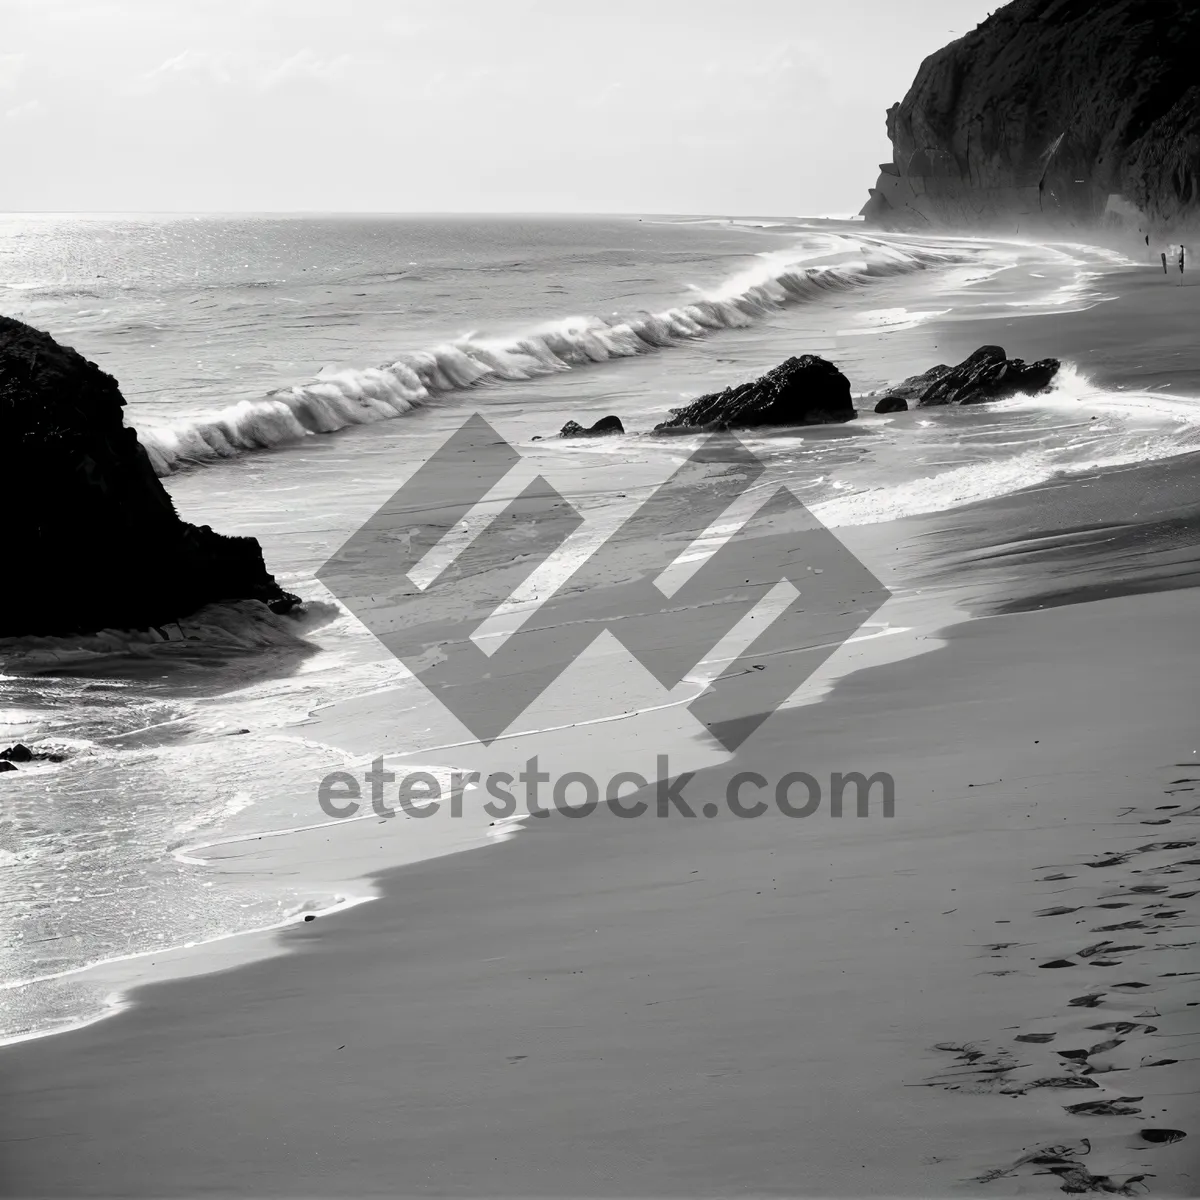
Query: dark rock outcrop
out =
(902, 396)
(20, 753)
(96, 540)
(604, 426)
(801, 391)
(6, 766)
(988, 374)
(1051, 111)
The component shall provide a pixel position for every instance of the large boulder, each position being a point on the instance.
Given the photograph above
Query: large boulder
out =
(95, 541)
(801, 391)
(988, 374)
(1051, 112)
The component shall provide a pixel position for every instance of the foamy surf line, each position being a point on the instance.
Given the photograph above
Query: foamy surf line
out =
(1170, 426)
(338, 400)
(118, 1001)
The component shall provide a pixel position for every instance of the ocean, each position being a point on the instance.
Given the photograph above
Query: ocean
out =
(286, 374)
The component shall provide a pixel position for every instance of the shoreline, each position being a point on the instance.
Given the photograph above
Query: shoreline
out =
(929, 616)
(153, 1015)
(429, 911)
(444, 970)
(865, 540)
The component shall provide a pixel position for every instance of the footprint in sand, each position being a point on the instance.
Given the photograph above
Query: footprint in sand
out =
(1087, 1001)
(1054, 912)
(1124, 1027)
(1122, 1106)
(1074, 1177)
(1058, 962)
(1078, 1179)
(1035, 1037)
(1081, 1056)
(1162, 1137)
(1062, 1081)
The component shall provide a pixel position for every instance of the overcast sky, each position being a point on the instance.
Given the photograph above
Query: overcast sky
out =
(668, 106)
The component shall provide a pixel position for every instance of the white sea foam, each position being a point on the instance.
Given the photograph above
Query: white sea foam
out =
(339, 399)
(1129, 427)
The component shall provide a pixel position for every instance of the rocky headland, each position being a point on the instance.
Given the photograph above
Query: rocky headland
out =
(94, 541)
(1052, 113)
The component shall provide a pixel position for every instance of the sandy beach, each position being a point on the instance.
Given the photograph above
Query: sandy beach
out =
(854, 1006)
(556, 642)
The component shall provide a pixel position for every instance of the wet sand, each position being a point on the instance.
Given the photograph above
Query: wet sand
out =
(784, 1006)
(1148, 313)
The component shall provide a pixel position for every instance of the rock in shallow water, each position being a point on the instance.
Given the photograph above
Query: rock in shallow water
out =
(801, 391)
(606, 425)
(988, 374)
(20, 753)
(101, 544)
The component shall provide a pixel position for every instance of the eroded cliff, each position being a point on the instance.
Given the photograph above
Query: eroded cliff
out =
(1063, 112)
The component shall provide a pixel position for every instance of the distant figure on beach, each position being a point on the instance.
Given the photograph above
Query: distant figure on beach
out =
(1181, 260)
(1164, 261)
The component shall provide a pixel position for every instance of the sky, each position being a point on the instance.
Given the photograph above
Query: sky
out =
(746, 107)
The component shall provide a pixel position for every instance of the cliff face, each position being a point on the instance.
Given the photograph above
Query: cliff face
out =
(1055, 111)
(93, 540)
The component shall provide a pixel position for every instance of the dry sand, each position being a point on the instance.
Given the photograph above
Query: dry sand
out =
(715, 1007)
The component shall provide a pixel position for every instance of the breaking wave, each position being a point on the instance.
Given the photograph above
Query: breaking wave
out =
(337, 400)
